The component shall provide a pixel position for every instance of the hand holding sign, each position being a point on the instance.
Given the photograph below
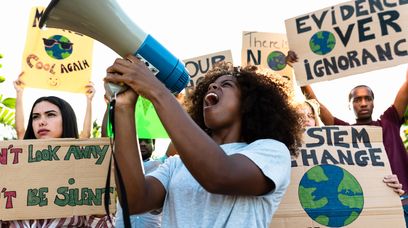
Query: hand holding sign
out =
(349, 38)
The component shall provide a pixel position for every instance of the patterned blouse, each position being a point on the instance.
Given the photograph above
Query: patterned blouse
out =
(75, 221)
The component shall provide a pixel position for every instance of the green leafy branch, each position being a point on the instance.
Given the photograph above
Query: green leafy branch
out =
(7, 106)
(405, 129)
(96, 130)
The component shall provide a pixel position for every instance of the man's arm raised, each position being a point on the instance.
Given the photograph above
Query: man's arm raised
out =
(325, 115)
(401, 100)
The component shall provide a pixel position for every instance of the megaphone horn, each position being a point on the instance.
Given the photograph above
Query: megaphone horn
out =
(105, 21)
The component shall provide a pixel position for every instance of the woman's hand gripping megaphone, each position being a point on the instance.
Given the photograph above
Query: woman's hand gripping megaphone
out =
(112, 89)
(132, 72)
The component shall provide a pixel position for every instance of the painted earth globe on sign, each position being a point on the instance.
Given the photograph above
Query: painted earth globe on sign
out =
(276, 60)
(331, 196)
(58, 47)
(322, 42)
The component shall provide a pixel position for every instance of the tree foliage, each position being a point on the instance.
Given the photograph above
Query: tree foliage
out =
(404, 130)
(96, 130)
(7, 108)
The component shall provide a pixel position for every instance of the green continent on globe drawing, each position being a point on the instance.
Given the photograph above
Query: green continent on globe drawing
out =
(330, 195)
(276, 60)
(60, 49)
(322, 42)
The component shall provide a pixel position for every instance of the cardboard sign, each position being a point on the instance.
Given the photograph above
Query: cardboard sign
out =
(267, 51)
(56, 59)
(337, 180)
(349, 38)
(199, 66)
(54, 178)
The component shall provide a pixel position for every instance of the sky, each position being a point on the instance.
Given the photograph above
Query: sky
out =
(189, 29)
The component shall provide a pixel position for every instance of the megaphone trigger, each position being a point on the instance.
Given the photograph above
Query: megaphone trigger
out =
(114, 89)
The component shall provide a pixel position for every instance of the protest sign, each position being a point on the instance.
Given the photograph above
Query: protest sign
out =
(267, 51)
(337, 180)
(56, 59)
(197, 67)
(349, 38)
(148, 125)
(55, 178)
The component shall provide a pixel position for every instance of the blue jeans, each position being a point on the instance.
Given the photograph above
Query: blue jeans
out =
(404, 200)
(406, 214)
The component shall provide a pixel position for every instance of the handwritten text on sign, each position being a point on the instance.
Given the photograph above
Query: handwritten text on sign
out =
(53, 178)
(349, 38)
(337, 181)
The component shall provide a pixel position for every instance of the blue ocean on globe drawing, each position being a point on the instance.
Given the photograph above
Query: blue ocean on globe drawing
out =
(331, 195)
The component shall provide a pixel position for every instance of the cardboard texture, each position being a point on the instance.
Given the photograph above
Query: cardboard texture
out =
(267, 51)
(56, 59)
(54, 178)
(337, 180)
(197, 67)
(349, 38)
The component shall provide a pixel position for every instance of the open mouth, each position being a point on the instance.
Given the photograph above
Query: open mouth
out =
(42, 132)
(211, 99)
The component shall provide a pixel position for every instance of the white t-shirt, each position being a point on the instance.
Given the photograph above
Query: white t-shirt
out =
(188, 204)
(145, 220)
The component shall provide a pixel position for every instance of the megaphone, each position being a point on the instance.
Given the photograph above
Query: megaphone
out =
(105, 21)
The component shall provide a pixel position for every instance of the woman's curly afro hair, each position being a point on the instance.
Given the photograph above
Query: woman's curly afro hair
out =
(266, 105)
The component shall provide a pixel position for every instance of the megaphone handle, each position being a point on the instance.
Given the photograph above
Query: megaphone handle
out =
(113, 89)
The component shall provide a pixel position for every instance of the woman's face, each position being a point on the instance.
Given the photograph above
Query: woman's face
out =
(222, 103)
(47, 121)
(309, 116)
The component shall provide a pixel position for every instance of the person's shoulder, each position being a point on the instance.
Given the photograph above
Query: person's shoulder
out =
(268, 145)
(391, 109)
(266, 142)
(391, 114)
(338, 121)
(151, 162)
(173, 160)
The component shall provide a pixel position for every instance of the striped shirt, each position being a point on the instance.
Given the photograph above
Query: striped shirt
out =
(75, 221)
